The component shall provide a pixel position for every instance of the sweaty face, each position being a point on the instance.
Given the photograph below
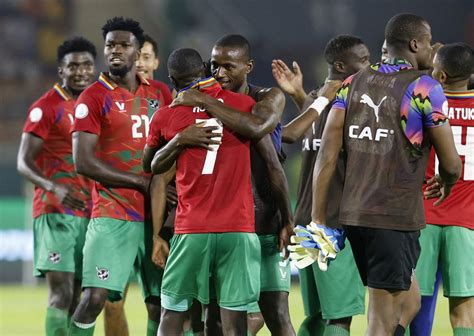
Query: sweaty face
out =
(120, 52)
(147, 62)
(356, 58)
(230, 67)
(423, 55)
(77, 70)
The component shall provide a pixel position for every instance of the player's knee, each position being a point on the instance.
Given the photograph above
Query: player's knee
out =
(114, 308)
(95, 298)
(154, 311)
(461, 312)
(344, 322)
(61, 296)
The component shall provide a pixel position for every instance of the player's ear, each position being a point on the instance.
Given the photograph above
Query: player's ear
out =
(413, 44)
(173, 81)
(250, 64)
(61, 72)
(442, 77)
(156, 63)
(339, 66)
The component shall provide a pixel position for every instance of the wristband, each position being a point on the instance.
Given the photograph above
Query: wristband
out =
(319, 104)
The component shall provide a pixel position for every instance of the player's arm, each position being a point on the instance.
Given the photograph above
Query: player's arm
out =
(331, 144)
(30, 146)
(158, 187)
(296, 128)
(279, 186)
(449, 161)
(195, 135)
(264, 117)
(87, 163)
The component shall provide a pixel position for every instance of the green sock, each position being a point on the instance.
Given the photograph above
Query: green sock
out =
(463, 332)
(188, 333)
(312, 325)
(82, 329)
(152, 328)
(56, 322)
(333, 330)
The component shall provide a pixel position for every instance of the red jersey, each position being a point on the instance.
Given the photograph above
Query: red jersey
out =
(214, 187)
(458, 208)
(121, 120)
(50, 118)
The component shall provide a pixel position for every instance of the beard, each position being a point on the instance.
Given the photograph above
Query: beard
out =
(121, 71)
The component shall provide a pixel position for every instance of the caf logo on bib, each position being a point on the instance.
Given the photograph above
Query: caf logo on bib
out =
(102, 273)
(81, 111)
(54, 257)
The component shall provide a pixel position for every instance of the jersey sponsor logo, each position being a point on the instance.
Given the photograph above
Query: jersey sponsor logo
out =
(82, 111)
(36, 114)
(102, 273)
(54, 257)
(121, 106)
(153, 103)
(367, 133)
(365, 99)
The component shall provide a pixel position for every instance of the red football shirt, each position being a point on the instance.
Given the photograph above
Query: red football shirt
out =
(214, 188)
(121, 120)
(50, 118)
(458, 208)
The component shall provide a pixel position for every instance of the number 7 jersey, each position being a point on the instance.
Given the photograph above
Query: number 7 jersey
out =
(121, 121)
(458, 208)
(214, 187)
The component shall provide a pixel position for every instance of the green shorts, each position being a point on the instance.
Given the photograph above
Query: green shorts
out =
(112, 250)
(58, 243)
(453, 247)
(231, 259)
(338, 292)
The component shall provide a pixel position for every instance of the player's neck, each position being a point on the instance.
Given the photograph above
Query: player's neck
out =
(456, 86)
(402, 55)
(128, 82)
(71, 92)
(335, 75)
(243, 88)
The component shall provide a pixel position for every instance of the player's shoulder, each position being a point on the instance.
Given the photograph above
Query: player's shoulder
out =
(48, 101)
(464, 96)
(425, 86)
(164, 112)
(235, 97)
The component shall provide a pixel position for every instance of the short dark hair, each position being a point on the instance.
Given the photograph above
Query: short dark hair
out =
(235, 41)
(125, 24)
(184, 63)
(337, 46)
(457, 60)
(403, 28)
(154, 45)
(75, 44)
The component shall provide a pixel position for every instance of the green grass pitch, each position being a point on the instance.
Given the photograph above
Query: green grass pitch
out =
(22, 312)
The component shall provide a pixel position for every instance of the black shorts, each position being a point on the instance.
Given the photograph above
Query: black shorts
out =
(386, 259)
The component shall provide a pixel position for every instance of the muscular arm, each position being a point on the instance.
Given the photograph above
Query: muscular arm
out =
(86, 163)
(166, 156)
(264, 117)
(277, 178)
(331, 144)
(30, 147)
(449, 162)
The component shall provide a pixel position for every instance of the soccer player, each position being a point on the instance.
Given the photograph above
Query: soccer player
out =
(214, 225)
(339, 290)
(115, 321)
(386, 115)
(449, 235)
(61, 205)
(230, 64)
(111, 124)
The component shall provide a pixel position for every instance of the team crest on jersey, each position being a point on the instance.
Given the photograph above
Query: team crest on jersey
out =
(102, 273)
(153, 103)
(54, 257)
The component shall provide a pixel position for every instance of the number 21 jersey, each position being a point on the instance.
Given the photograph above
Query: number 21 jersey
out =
(121, 121)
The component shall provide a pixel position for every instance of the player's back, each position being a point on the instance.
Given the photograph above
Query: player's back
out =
(458, 208)
(214, 187)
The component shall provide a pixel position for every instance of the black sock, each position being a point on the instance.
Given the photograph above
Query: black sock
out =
(400, 331)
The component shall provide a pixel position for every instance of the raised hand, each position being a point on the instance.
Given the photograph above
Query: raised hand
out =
(290, 81)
